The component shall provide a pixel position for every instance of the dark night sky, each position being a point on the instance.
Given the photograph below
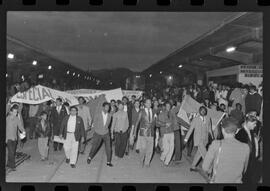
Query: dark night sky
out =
(99, 40)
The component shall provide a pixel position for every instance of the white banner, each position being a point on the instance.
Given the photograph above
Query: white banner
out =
(115, 94)
(84, 91)
(129, 93)
(40, 94)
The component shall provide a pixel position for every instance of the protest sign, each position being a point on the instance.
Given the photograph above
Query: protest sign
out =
(130, 93)
(190, 106)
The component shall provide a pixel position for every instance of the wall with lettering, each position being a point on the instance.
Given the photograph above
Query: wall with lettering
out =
(251, 74)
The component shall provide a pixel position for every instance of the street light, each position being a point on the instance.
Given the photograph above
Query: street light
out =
(230, 49)
(150, 75)
(6, 75)
(34, 63)
(160, 72)
(49, 67)
(68, 72)
(180, 66)
(73, 73)
(10, 56)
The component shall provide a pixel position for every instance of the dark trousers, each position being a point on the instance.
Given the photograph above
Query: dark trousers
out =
(177, 145)
(190, 144)
(97, 141)
(11, 145)
(120, 143)
(57, 146)
(127, 145)
(252, 174)
(32, 126)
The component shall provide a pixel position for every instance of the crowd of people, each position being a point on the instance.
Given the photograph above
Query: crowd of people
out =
(150, 125)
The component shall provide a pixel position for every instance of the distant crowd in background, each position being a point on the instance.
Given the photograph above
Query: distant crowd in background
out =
(150, 125)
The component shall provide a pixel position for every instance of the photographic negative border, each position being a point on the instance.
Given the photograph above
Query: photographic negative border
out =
(136, 5)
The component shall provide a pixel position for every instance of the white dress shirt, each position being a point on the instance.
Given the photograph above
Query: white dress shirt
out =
(150, 110)
(125, 108)
(71, 124)
(105, 116)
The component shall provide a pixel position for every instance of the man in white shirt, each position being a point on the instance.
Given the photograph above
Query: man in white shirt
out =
(72, 130)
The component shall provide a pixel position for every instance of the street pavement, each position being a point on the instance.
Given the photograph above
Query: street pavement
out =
(126, 170)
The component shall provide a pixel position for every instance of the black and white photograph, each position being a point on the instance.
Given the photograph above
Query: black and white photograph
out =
(134, 97)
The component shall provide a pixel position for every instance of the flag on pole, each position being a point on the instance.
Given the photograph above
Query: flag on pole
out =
(191, 106)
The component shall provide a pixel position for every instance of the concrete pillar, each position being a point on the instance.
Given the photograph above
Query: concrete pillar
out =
(200, 78)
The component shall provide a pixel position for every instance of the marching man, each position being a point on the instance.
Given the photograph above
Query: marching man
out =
(72, 130)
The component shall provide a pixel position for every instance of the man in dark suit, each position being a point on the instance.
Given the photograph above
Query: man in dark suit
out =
(146, 132)
(246, 135)
(72, 130)
(101, 122)
(128, 108)
(57, 115)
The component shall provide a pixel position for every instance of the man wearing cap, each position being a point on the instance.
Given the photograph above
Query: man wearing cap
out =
(72, 130)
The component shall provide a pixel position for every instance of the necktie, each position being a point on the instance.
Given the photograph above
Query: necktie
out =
(149, 118)
(253, 151)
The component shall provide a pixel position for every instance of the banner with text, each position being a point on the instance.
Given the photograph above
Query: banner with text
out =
(109, 95)
(127, 93)
(40, 94)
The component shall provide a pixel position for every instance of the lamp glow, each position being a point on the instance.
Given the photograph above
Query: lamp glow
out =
(231, 49)
(34, 63)
(11, 56)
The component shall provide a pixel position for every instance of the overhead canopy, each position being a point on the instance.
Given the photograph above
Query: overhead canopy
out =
(208, 52)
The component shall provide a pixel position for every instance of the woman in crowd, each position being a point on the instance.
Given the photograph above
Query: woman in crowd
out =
(201, 125)
(43, 132)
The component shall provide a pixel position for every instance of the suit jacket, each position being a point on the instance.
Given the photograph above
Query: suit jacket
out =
(79, 129)
(201, 130)
(98, 124)
(134, 116)
(163, 118)
(146, 127)
(40, 132)
(56, 119)
(243, 137)
(129, 112)
(232, 163)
